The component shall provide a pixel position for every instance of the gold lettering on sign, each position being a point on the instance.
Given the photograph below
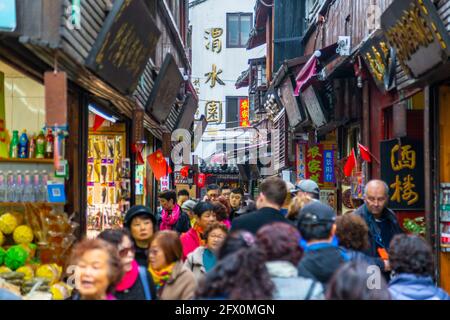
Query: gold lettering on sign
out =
(411, 32)
(213, 111)
(213, 41)
(406, 159)
(213, 76)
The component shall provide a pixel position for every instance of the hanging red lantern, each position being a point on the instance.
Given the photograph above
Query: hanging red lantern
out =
(201, 180)
(184, 171)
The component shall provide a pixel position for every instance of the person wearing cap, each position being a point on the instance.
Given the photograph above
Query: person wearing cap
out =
(322, 256)
(141, 223)
(188, 208)
(270, 200)
(307, 187)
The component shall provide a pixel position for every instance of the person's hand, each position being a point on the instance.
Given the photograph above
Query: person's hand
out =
(387, 266)
(205, 198)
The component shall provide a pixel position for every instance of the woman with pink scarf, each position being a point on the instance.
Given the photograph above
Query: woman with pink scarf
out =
(172, 217)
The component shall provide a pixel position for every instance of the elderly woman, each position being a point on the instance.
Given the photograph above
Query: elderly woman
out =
(172, 279)
(137, 283)
(203, 259)
(98, 270)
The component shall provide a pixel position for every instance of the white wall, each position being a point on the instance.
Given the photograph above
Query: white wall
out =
(232, 61)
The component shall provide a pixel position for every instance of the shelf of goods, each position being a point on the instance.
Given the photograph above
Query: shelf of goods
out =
(27, 160)
(35, 240)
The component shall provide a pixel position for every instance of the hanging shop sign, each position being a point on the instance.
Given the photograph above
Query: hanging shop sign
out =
(55, 98)
(380, 59)
(126, 42)
(300, 155)
(319, 164)
(180, 179)
(312, 102)
(8, 15)
(244, 113)
(402, 169)
(189, 109)
(165, 91)
(415, 30)
(295, 111)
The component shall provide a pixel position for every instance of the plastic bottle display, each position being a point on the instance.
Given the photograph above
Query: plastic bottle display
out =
(19, 187)
(40, 146)
(28, 192)
(3, 188)
(23, 145)
(32, 148)
(11, 187)
(37, 187)
(43, 188)
(14, 146)
(49, 144)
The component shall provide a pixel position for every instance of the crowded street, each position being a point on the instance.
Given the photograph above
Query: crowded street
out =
(224, 150)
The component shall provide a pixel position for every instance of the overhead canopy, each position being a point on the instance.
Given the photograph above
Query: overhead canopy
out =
(258, 32)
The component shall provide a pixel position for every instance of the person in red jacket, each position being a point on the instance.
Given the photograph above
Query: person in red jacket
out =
(205, 216)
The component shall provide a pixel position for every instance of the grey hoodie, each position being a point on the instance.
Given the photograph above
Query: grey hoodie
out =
(289, 286)
(194, 262)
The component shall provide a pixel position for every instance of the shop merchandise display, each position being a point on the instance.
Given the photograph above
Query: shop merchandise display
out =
(35, 240)
(31, 147)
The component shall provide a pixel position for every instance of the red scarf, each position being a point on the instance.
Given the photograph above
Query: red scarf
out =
(169, 220)
(129, 278)
(200, 233)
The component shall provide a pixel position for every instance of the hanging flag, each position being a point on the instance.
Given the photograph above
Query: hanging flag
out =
(98, 121)
(137, 150)
(365, 153)
(350, 164)
(158, 164)
(306, 73)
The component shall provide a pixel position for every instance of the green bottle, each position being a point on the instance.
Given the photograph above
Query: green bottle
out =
(14, 146)
(40, 146)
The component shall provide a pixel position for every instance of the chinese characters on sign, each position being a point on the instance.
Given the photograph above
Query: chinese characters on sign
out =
(196, 83)
(213, 41)
(213, 76)
(318, 164)
(213, 111)
(402, 169)
(244, 112)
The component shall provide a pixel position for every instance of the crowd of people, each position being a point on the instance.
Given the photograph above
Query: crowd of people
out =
(285, 245)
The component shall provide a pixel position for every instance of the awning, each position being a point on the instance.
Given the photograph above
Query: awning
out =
(243, 80)
(258, 33)
(309, 70)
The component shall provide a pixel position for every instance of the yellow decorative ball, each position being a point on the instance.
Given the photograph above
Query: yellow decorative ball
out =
(48, 271)
(23, 234)
(8, 223)
(4, 269)
(2, 239)
(28, 271)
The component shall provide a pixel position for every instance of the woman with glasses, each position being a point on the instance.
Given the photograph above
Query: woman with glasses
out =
(203, 259)
(137, 283)
(172, 279)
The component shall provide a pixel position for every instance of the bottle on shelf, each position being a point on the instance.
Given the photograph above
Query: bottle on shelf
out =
(40, 146)
(14, 146)
(49, 144)
(23, 145)
(19, 187)
(10, 183)
(32, 147)
(43, 189)
(28, 193)
(3, 188)
(37, 187)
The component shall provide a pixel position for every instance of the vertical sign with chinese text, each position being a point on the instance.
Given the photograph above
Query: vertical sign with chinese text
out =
(301, 161)
(402, 168)
(244, 110)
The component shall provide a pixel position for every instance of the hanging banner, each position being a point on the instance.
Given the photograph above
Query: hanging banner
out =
(55, 98)
(300, 152)
(402, 169)
(319, 164)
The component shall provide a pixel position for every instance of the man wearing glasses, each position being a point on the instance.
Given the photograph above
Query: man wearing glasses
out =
(382, 221)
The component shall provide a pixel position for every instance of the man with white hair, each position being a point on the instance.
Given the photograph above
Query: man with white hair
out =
(382, 221)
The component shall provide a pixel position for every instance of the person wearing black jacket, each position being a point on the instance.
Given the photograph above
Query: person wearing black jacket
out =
(382, 222)
(236, 202)
(141, 223)
(322, 257)
(171, 217)
(270, 200)
(137, 283)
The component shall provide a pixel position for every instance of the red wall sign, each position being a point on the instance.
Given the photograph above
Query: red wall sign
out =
(244, 113)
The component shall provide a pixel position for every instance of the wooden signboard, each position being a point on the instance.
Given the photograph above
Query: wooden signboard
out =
(127, 40)
(55, 98)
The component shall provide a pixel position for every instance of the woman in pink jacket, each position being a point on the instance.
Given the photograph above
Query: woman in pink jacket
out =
(205, 216)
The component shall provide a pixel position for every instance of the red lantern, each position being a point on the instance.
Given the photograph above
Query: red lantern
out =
(201, 180)
(184, 171)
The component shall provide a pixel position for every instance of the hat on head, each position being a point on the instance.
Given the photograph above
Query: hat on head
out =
(289, 186)
(188, 205)
(138, 211)
(316, 213)
(307, 185)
